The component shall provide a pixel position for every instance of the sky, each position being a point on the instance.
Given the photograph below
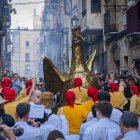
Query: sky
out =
(24, 16)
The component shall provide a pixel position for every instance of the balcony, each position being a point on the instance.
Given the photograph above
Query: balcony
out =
(91, 22)
(108, 26)
(133, 19)
(133, 24)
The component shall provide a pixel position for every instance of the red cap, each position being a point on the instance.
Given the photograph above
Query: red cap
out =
(6, 82)
(28, 83)
(4, 90)
(10, 95)
(77, 82)
(93, 93)
(113, 87)
(70, 98)
(134, 90)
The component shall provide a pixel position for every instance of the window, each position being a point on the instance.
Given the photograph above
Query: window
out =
(27, 57)
(27, 43)
(95, 6)
(84, 11)
(68, 7)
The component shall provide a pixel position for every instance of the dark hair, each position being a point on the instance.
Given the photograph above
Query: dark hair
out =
(121, 77)
(105, 108)
(8, 120)
(131, 78)
(93, 109)
(129, 120)
(104, 96)
(22, 110)
(55, 135)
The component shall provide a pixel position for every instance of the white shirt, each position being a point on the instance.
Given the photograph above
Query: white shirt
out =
(41, 133)
(58, 122)
(115, 116)
(53, 119)
(84, 126)
(29, 132)
(72, 137)
(32, 103)
(104, 129)
(131, 135)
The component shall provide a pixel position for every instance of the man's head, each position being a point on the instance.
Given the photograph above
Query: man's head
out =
(103, 109)
(113, 87)
(70, 98)
(8, 120)
(77, 82)
(35, 96)
(107, 77)
(6, 82)
(55, 135)
(128, 122)
(131, 81)
(22, 111)
(40, 84)
(93, 93)
(28, 83)
(10, 94)
(104, 96)
(47, 99)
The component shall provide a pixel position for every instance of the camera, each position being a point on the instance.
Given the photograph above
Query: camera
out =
(18, 131)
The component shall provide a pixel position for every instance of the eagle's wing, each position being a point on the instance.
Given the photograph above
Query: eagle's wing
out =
(54, 80)
(91, 60)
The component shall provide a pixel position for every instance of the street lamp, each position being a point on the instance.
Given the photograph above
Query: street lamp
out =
(74, 21)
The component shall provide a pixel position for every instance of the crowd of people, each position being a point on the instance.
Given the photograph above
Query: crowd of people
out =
(110, 111)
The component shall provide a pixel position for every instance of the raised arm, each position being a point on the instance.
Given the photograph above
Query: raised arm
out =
(32, 89)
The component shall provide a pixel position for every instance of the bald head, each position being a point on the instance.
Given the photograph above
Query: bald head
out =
(35, 97)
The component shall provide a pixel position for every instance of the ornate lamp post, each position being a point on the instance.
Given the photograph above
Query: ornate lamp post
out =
(74, 21)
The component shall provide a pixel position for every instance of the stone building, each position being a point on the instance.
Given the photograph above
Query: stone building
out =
(89, 12)
(55, 33)
(5, 23)
(26, 50)
(112, 27)
(121, 32)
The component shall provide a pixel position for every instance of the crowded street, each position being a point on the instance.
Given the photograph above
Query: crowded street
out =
(70, 70)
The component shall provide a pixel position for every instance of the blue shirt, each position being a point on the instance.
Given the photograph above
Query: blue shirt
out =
(131, 135)
(86, 125)
(104, 129)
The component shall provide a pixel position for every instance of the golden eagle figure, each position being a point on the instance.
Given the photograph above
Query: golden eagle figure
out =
(56, 82)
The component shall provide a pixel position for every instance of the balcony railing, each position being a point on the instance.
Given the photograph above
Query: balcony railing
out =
(108, 27)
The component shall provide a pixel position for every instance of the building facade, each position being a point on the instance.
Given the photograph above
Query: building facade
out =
(5, 42)
(89, 13)
(112, 27)
(122, 32)
(26, 50)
